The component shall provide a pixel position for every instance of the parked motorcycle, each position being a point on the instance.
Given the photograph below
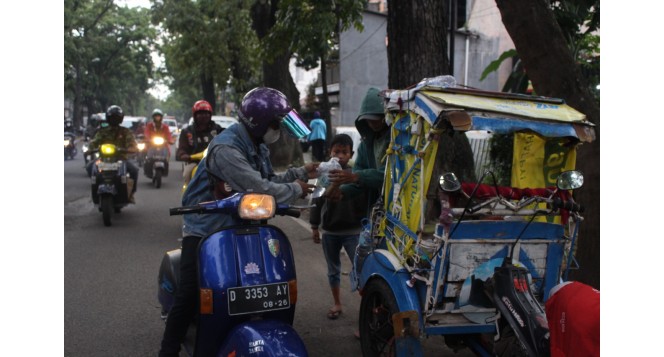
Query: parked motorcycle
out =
(70, 146)
(247, 281)
(156, 161)
(111, 184)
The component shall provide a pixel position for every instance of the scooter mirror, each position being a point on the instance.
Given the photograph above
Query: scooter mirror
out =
(570, 180)
(448, 182)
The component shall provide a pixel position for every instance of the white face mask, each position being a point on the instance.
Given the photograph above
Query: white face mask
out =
(271, 136)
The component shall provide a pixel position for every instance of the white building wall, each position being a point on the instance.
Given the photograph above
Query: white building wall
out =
(363, 64)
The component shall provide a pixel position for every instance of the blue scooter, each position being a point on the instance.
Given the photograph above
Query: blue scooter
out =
(247, 281)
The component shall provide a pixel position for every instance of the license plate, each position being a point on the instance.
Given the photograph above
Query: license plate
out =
(158, 164)
(109, 166)
(258, 298)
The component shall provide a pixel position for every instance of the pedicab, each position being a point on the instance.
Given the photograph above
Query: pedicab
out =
(469, 254)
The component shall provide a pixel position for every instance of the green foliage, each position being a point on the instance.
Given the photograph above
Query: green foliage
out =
(206, 40)
(107, 57)
(310, 28)
(501, 151)
(579, 21)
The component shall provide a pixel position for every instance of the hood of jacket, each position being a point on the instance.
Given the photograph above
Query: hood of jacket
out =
(372, 104)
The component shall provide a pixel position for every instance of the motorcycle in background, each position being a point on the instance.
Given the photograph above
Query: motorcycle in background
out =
(70, 145)
(140, 156)
(247, 281)
(111, 184)
(156, 162)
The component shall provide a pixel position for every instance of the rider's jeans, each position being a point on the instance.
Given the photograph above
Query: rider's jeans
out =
(186, 300)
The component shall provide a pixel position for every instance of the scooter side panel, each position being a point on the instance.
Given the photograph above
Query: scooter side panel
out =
(236, 257)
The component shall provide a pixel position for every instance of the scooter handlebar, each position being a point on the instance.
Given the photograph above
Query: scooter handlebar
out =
(293, 212)
(186, 209)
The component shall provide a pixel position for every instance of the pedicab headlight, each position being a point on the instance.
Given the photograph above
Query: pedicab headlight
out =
(107, 149)
(158, 140)
(256, 206)
(141, 146)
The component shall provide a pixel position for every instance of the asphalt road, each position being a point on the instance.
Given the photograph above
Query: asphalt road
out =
(110, 275)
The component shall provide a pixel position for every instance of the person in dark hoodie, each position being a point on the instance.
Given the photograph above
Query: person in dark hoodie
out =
(369, 166)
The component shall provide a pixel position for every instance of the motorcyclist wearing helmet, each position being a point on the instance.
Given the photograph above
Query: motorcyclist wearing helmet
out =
(121, 137)
(156, 128)
(196, 138)
(237, 160)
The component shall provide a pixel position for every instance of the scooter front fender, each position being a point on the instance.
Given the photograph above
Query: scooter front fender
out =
(263, 338)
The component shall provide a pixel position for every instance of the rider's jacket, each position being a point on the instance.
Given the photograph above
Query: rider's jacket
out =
(118, 135)
(151, 130)
(233, 158)
(192, 141)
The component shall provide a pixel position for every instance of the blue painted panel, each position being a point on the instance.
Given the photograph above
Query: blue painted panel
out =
(503, 125)
(507, 230)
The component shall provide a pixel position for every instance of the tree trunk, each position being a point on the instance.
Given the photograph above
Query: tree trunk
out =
(207, 85)
(417, 49)
(78, 94)
(417, 41)
(554, 72)
(286, 151)
(325, 103)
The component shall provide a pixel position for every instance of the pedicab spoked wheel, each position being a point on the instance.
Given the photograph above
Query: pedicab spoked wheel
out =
(107, 209)
(376, 310)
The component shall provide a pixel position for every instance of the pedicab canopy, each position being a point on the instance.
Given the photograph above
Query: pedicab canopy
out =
(546, 135)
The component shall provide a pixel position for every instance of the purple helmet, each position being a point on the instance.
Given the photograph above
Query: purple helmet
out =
(260, 107)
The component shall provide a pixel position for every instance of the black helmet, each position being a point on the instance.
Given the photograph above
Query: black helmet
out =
(114, 115)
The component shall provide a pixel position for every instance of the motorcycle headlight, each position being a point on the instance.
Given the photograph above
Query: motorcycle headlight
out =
(158, 140)
(66, 142)
(107, 149)
(256, 206)
(141, 146)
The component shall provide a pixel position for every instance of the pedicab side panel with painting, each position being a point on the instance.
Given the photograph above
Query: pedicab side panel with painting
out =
(471, 261)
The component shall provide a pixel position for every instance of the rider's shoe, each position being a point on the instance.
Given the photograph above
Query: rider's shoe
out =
(131, 198)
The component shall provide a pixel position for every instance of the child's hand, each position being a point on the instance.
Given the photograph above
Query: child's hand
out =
(333, 193)
(341, 177)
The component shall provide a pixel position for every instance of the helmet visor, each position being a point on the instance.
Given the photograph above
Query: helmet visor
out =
(294, 125)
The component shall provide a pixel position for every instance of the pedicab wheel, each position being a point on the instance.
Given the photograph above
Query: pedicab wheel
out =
(107, 209)
(376, 310)
(156, 181)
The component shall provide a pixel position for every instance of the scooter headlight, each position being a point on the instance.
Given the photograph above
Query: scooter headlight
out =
(66, 142)
(158, 140)
(256, 206)
(107, 149)
(141, 146)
